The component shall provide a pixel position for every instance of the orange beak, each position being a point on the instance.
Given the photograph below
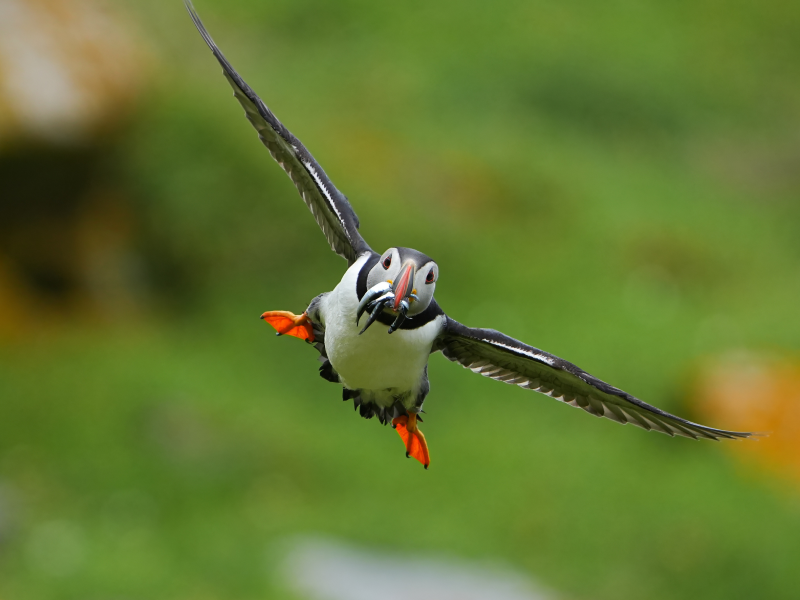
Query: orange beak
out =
(403, 285)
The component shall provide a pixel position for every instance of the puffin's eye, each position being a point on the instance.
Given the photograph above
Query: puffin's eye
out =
(429, 278)
(387, 261)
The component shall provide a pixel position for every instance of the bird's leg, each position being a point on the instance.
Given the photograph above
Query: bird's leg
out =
(286, 323)
(416, 445)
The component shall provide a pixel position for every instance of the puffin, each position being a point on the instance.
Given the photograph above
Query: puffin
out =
(376, 330)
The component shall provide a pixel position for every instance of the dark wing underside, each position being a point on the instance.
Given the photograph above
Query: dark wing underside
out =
(495, 355)
(330, 207)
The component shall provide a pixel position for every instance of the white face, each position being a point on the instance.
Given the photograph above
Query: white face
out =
(388, 269)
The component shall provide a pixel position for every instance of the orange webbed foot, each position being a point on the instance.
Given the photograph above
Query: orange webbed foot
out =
(416, 445)
(287, 323)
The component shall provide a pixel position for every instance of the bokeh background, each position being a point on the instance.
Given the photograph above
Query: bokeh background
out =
(617, 183)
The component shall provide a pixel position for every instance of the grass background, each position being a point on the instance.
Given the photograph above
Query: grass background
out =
(615, 183)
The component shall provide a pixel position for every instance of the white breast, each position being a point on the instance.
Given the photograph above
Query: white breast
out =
(375, 360)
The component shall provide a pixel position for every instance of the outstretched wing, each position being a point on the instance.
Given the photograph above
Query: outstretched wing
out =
(330, 207)
(496, 355)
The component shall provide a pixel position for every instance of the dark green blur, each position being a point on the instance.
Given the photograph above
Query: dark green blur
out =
(617, 183)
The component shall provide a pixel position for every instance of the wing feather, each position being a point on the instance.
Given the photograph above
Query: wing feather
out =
(330, 208)
(493, 354)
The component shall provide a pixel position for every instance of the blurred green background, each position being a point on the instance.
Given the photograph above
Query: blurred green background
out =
(620, 179)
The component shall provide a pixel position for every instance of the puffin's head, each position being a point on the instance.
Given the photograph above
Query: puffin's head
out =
(403, 282)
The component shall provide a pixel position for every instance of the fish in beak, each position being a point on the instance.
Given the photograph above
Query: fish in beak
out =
(396, 295)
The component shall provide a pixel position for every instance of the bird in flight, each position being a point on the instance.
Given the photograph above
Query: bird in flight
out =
(385, 371)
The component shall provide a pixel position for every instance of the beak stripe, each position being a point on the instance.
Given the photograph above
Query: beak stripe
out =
(403, 286)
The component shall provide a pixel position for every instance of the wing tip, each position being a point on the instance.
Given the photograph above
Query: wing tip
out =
(752, 436)
(718, 435)
(193, 13)
(199, 24)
